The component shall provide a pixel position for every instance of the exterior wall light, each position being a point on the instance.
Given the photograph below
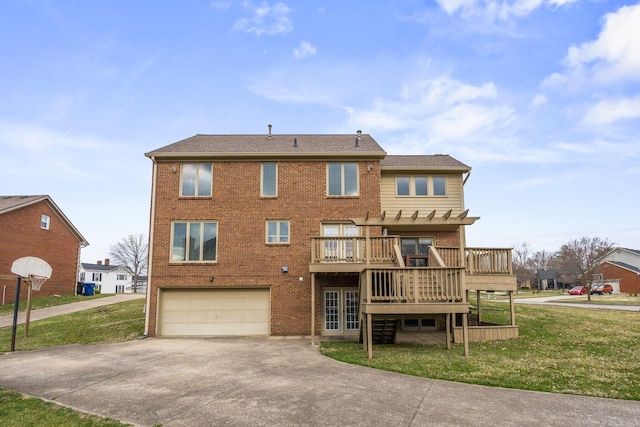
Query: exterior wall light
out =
(285, 269)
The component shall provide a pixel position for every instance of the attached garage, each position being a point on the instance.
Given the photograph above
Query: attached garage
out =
(211, 312)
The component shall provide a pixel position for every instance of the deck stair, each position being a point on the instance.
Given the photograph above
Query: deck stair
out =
(383, 331)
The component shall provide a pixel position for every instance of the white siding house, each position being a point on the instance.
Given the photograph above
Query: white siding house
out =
(109, 279)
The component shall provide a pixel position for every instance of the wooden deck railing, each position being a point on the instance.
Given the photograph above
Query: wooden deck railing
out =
(415, 285)
(489, 261)
(352, 249)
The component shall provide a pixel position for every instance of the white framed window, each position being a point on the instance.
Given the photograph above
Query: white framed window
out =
(196, 180)
(96, 277)
(194, 241)
(278, 232)
(439, 186)
(45, 221)
(81, 276)
(412, 186)
(342, 179)
(269, 179)
(121, 277)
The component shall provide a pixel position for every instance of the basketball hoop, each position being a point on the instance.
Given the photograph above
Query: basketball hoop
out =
(37, 281)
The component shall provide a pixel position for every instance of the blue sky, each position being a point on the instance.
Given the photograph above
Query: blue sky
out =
(541, 98)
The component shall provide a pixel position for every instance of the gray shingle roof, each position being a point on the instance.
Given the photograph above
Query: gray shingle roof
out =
(9, 203)
(274, 145)
(437, 161)
(625, 265)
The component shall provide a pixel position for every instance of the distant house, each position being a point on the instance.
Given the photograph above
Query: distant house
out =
(548, 279)
(621, 268)
(108, 279)
(36, 226)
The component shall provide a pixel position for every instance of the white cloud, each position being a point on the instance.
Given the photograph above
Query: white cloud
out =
(498, 10)
(611, 110)
(610, 59)
(305, 49)
(266, 19)
(538, 100)
(221, 5)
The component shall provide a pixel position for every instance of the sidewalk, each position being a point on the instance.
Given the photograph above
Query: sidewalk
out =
(58, 310)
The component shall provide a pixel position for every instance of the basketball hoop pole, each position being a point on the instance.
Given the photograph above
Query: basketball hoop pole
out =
(15, 315)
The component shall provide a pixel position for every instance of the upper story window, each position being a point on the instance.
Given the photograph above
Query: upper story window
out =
(121, 277)
(82, 276)
(97, 277)
(409, 186)
(419, 186)
(269, 180)
(439, 186)
(194, 241)
(196, 180)
(278, 232)
(342, 179)
(45, 221)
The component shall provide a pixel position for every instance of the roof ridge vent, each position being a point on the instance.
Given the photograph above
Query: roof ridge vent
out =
(358, 138)
(295, 142)
(269, 126)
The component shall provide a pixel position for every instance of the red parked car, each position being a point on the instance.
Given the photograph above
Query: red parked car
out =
(578, 290)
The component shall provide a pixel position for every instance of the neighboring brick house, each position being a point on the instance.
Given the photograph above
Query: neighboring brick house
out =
(621, 268)
(108, 279)
(36, 226)
(284, 234)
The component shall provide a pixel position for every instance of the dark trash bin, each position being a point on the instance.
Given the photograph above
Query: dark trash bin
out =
(88, 289)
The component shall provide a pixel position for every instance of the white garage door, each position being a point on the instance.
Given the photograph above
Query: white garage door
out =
(209, 312)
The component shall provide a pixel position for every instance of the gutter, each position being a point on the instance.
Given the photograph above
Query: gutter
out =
(152, 215)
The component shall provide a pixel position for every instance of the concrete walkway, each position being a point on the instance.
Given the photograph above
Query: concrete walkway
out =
(43, 313)
(263, 381)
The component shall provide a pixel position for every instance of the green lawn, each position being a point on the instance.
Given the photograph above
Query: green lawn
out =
(560, 350)
(45, 302)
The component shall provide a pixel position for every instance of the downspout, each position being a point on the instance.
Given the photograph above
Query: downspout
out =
(152, 215)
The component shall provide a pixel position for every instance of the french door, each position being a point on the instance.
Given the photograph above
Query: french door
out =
(340, 311)
(339, 249)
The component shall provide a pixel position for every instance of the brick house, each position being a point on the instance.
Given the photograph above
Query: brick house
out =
(621, 268)
(36, 226)
(312, 235)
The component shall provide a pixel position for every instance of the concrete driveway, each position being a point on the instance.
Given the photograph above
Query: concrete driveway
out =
(275, 381)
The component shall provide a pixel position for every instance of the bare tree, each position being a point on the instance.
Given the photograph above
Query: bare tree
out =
(541, 260)
(576, 259)
(132, 252)
(521, 264)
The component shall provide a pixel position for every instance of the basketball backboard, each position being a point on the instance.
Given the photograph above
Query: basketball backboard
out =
(31, 266)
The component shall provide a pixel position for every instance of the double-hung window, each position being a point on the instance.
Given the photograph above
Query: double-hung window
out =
(194, 241)
(342, 179)
(196, 180)
(278, 232)
(96, 277)
(412, 186)
(45, 220)
(269, 179)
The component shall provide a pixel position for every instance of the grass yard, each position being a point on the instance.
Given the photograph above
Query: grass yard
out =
(17, 410)
(110, 323)
(44, 302)
(560, 350)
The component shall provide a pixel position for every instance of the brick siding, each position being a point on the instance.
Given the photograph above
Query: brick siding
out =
(629, 281)
(22, 236)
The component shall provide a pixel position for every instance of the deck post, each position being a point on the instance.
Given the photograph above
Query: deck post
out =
(512, 308)
(369, 336)
(479, 308)
(465, 333)
(313, 308)
(447, 326)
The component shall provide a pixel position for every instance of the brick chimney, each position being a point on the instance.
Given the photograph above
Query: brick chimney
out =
(107, 261)
(99, 262)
